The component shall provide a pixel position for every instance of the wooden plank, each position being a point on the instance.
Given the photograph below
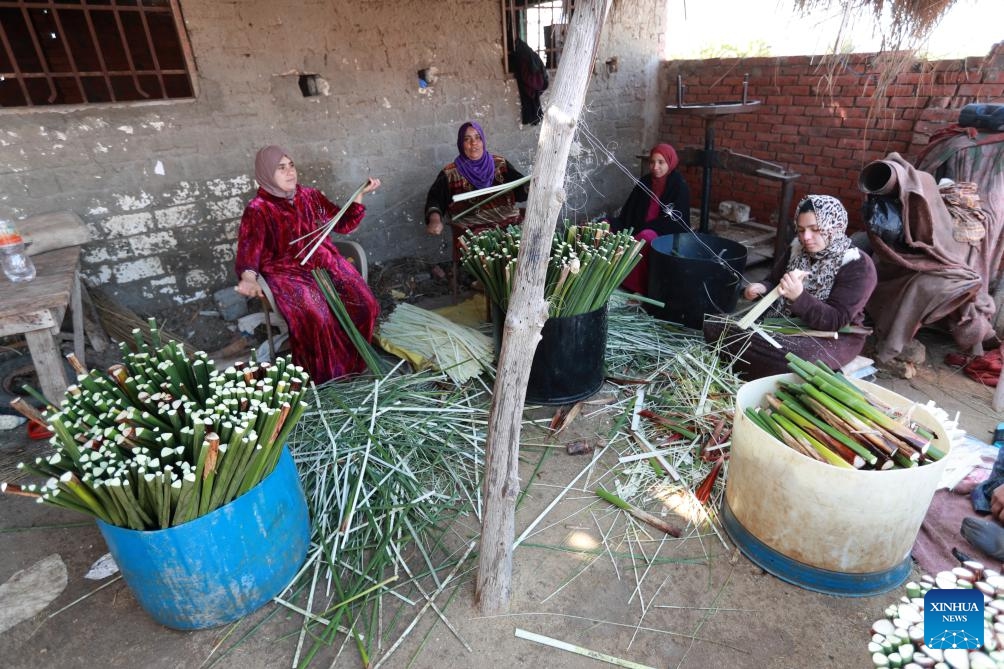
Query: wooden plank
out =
(92, 322)
(48, 361)
(16, 324)
(54, 273)
(76, 305)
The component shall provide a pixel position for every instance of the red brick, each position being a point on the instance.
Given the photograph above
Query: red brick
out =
(832, 172)
(857, 123)
(994, 77)
(900, 90)
(848, 111)
(778, 100)
(939, 90)
(784, 80)
(814, 111)
(818, 160)
(908, 102)
(853, 144)
(971, 89)
(898, 124)
(943, 115)
(803, 120)
(953, 65)
(913, 78)
(813, 130)
(847, 164)
(843, 132)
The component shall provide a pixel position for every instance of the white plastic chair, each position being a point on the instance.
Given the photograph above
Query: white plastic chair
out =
(350, 250)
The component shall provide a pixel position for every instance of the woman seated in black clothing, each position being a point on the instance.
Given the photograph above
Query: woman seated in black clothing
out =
(659, 205)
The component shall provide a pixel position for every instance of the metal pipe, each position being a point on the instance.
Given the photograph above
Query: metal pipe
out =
(746, 86)
(709, 153)
(679, 90)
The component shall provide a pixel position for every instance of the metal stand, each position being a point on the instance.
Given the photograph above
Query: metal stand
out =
(709, 158)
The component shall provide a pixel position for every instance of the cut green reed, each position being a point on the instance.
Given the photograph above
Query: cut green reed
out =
(827, 415)
(164, 437)
(587, 263)
(365, 349)
(388, 464)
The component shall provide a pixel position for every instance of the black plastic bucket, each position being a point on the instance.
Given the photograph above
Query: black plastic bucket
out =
(568, 364)
(694, 274)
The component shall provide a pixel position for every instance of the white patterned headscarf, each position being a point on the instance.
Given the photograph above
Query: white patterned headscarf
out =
(822, 267)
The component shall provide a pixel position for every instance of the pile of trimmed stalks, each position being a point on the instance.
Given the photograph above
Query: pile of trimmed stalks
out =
(898, 640)
(391, 470)
(828, 418)
(462, 353)
(163, 438)
(587, 263)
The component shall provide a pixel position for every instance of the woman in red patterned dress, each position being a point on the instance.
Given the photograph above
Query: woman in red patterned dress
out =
(280, 212)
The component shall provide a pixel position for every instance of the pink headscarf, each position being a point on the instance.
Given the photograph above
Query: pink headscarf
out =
(668, 154)
(265, 163)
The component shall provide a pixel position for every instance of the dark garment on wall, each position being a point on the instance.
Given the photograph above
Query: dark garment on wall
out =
(531, 80)
(635, 210)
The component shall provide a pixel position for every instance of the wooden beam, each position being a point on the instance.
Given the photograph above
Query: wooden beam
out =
(527, 307)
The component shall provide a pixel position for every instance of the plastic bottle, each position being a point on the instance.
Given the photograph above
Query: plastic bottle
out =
(17, 266)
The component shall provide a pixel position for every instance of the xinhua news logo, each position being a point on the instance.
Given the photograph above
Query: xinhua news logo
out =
(953, 619)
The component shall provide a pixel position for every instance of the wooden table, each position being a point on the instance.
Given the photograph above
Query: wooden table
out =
(36, 308)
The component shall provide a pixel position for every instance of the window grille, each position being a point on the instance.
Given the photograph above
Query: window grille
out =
(543, 24)
(62, 52)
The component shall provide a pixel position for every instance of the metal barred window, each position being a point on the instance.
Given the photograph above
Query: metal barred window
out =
(542, 24)
(64, 52)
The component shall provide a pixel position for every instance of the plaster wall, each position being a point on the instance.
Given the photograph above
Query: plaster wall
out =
(161, 186)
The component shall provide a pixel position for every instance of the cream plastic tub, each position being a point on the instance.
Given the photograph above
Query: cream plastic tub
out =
(839, 531)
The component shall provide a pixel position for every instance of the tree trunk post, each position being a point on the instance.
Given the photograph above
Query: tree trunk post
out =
(527, 307)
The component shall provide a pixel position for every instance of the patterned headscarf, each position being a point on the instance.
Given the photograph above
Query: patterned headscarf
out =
(822, 267)
(479, 172)
(265, 163)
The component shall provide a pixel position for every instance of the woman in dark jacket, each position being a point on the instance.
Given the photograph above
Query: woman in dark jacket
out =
(659, 205)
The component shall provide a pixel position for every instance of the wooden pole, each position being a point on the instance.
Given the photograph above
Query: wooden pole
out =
(998, 401)
(527, 307)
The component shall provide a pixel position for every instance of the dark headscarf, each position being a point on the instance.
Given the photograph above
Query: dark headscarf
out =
(479, 172)
(668, 154)
(265, 163)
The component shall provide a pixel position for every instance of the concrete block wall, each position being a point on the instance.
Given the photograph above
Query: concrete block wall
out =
(161, 186)
(822, 122)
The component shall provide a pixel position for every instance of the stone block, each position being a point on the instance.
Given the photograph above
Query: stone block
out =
(231, 304)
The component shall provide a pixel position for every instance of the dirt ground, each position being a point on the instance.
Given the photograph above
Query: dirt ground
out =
(703, 605)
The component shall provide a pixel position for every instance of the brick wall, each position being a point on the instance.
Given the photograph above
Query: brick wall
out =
(161, 186)
(820, 120)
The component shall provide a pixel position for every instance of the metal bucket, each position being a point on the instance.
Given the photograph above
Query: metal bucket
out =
(568, 364)
(838, 531)
(221, 566)
(694, 274)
